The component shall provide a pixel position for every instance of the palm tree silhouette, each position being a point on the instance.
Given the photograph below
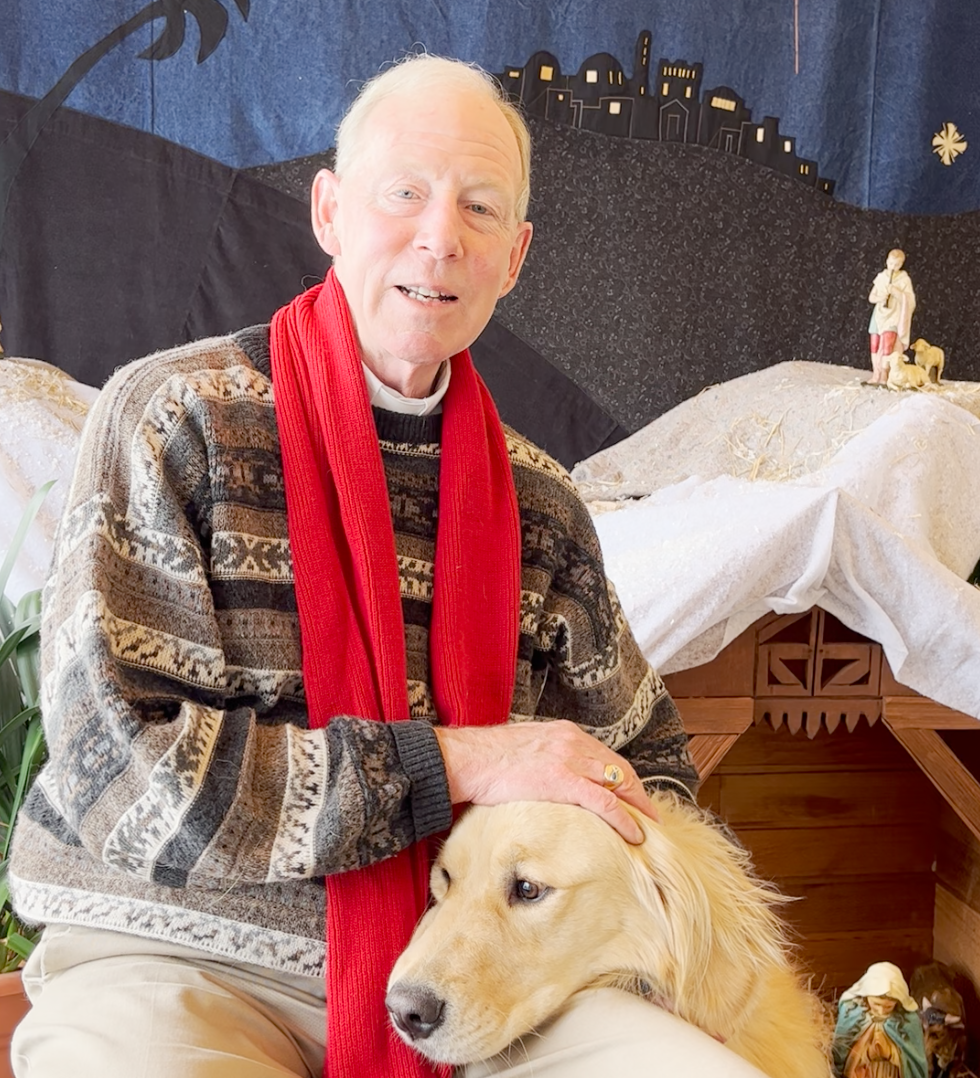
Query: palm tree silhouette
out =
(212, 21)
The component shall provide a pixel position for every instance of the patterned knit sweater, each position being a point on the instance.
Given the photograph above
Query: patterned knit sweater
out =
(185, 798)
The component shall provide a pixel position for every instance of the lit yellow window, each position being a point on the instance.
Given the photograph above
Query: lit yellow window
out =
(664, 90)
(547, 73)
(787, 146)
(592, 76)
(514, 74)
(760, 134)
(615, 107)
(687, 91)
(723, 103)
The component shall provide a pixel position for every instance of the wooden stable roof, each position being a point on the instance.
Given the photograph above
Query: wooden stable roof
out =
(810, 672)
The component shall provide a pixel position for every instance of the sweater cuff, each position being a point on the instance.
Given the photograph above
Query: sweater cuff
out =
(421, 759)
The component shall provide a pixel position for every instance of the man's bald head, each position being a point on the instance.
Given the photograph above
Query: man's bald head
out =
(426, 75)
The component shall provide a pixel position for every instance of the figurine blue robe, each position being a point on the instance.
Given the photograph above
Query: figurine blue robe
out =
(878, 1033)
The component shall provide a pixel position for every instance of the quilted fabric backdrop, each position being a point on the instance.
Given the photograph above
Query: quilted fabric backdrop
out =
(155, 158)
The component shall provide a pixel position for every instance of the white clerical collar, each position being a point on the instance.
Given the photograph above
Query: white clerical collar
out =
(382, 396)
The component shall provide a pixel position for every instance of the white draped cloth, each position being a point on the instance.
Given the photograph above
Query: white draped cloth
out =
(794, 487)
(41, 415)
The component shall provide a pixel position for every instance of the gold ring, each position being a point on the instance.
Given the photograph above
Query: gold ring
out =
(612, 776)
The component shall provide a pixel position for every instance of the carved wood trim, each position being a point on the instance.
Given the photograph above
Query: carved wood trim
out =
(847, 669)
(770, 625)
(776, 677)
(813, 672)
(813, 712)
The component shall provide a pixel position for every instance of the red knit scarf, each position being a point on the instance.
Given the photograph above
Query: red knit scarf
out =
(348, 595)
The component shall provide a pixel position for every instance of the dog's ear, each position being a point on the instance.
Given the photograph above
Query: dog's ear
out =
(677, 945)
(716, 922)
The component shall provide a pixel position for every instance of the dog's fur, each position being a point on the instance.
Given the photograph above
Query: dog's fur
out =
(931, 358)
(680, 919)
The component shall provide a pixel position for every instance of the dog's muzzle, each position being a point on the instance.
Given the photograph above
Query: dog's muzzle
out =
(416, 1010)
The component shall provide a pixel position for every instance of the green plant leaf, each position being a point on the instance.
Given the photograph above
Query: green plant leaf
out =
(28, 661)
(28, 610)
(22, 718)
(31, 760)
(9, 645)
(10, 642)
(20, 945)
(25, 522)
(11, 700)
(22, 747)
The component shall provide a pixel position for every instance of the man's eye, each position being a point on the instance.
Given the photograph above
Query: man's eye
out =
(480, 208)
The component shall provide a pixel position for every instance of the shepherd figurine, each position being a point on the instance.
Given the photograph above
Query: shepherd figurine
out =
(890, 328)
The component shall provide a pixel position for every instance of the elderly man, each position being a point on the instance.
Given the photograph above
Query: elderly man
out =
(303, 580)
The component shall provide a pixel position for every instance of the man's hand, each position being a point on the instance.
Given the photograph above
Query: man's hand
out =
(540, 761)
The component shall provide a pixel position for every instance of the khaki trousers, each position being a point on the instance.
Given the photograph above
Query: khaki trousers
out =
(107, 1005)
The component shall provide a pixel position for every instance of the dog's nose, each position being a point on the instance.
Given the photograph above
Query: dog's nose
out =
(416, 1010)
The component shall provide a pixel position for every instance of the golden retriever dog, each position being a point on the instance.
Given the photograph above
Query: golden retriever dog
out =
(931, 358)
(533, 902)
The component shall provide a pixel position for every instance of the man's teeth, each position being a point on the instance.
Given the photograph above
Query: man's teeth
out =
(417, 292)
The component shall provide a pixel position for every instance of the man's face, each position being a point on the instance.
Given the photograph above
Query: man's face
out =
(423, 231)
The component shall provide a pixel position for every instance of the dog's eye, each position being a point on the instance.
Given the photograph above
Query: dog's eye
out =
(526, 891)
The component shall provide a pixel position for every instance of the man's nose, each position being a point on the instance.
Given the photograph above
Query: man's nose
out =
(439, 230)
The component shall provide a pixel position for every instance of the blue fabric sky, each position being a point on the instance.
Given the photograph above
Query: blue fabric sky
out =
(863, 86)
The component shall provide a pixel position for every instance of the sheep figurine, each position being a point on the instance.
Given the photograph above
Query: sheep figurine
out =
(930, 358)
(903, 374)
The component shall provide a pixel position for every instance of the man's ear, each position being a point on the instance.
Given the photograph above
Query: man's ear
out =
(323, 210)
(517, 255)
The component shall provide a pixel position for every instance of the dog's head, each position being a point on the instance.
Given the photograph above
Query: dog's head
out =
(536, 901)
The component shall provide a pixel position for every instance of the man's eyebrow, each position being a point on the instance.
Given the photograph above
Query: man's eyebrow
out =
(487, 186)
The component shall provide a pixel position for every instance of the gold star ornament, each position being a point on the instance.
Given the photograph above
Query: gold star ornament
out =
(948, 143)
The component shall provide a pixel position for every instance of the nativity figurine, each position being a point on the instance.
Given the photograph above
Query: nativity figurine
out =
(878, 1033)
(941, 1016)
(903, 374)
(890, 329)
(931, 358)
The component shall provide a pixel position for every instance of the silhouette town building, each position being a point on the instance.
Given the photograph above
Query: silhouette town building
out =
(601, 97)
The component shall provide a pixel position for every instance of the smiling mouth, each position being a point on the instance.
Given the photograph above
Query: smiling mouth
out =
(426, 295)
